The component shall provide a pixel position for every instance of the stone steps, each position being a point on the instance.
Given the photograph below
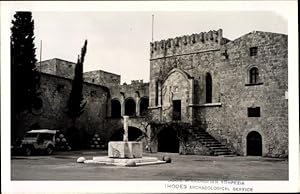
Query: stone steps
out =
(213, 144)
(222, 153)
(207, 140)
(216, 148)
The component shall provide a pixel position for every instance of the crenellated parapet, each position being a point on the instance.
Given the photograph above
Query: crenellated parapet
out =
(186, 44)
(134, 82)
(137, 88)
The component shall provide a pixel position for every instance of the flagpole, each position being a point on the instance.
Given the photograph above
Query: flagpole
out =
(152, 26)
(41, 46)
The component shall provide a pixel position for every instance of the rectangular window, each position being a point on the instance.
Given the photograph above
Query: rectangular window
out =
(253, 51)
(254, 112)
(176, 110)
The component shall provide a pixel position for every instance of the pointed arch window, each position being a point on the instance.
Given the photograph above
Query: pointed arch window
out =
(254, 75)
(208, 81)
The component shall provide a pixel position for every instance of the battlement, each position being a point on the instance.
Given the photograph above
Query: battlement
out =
(135, 85)
(137, 81)
(187, 44)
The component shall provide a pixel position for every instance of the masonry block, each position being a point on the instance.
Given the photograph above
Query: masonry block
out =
(121, 149)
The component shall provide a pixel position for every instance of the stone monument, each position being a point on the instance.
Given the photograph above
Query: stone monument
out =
(125, 153)
(125, 148)
(125, 136)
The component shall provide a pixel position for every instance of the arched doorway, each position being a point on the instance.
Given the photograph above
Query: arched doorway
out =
(254, 144)
(130, 107)
(176, 96)
(115, 108)
(144, 106)
(167, 141)
(133, 134)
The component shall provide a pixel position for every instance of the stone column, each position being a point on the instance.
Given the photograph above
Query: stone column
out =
(122, 108)
(122, 101)
(137, 106)
(125, 136)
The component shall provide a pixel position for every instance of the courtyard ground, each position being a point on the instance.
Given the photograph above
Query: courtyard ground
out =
(63, 166)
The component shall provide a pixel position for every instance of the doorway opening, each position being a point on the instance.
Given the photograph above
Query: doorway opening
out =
(176, 110)
(254, 144)
(167, 141)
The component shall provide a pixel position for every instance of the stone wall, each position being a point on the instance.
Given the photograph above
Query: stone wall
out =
(194, 147)
(236, 95)
(228, 63)
(187, 44)
(102, 78)
(63, 68)
(176, 86)
(136, 91)
(195, 65)
(57, 67)
(54, 94)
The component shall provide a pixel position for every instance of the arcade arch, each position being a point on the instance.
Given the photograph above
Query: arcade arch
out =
(130, 107)
(115, 108)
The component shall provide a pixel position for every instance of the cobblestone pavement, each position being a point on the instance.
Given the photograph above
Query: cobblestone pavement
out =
(63, 166)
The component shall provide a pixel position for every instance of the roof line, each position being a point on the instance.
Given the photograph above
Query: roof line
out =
(254, 32)
(65, 78)
(102, 71)
(57, 59)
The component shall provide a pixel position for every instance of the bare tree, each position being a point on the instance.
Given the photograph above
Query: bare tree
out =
(149, 131)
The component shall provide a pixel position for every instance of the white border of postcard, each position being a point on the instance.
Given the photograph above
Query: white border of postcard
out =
(287, 9)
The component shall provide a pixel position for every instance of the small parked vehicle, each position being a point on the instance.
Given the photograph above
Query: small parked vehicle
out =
(39, 140)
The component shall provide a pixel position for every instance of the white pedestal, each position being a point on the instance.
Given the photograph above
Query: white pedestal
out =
(121, 149)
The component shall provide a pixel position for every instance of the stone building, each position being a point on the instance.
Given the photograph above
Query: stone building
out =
(234, 92)
(106, 102)
(232, 95)
(51, 112)
(63, 68)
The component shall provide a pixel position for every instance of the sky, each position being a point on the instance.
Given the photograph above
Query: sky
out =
(119, 42)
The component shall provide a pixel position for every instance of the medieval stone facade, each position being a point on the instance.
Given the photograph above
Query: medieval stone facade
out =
(106, 101)
(232, 89)
(51, 114)
(232, 93)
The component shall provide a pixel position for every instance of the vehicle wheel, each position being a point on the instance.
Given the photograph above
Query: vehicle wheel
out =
(28, 151)
(49, 150)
